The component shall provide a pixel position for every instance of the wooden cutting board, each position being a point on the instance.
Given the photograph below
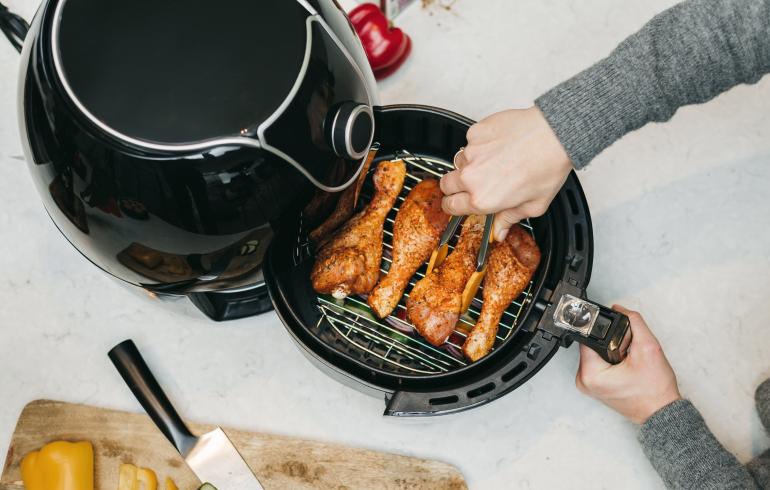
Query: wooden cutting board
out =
(279, 462)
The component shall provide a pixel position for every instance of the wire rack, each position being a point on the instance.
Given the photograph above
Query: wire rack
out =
(392, 344)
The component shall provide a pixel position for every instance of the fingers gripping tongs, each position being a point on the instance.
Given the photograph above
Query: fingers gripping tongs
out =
(442, 250)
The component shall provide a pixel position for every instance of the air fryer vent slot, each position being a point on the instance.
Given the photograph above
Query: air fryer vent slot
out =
(481, 390)
(578, 237)
(573, 207)
(514, 372)
(444, 400)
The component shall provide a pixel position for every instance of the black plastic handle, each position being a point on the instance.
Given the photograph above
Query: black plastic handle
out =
(610, 336)
(131, 366)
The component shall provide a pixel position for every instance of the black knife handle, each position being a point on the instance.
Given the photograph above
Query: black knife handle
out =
(131, 366)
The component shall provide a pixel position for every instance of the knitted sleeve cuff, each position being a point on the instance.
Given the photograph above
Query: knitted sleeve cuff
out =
(592, 110)
(675, 421)
(686, 454)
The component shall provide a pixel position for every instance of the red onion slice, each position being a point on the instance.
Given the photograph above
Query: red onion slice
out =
(399, 325)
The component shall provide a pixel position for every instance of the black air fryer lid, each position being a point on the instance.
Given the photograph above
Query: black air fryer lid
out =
(175, 76)
(184, 73)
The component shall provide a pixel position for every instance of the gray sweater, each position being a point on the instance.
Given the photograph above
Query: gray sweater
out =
(686, 454)
(686, 55)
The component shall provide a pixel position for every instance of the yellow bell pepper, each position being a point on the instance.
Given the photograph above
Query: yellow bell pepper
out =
(147, 479)
(127, 477)
(133, 478)
(170, 484)
(59, 465)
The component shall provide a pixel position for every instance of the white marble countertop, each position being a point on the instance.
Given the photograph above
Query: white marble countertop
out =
(682, 233)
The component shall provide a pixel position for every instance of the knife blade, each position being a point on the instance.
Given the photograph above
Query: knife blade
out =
(211, 456)
(214, 459)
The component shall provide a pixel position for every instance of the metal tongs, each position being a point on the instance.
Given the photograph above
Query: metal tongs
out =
(442, 250)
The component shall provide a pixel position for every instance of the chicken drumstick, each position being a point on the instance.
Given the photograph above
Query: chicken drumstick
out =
(511, 265)
(349, 263)
(435, 302)
(416, 233)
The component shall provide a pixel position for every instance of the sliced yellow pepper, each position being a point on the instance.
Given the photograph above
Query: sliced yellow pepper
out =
(59, 465)
(127, 478)
(170, 484)
(147, 479)
(133, 478)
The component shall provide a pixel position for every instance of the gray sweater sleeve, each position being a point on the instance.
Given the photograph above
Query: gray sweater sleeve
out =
(686, 454)
(685, 55)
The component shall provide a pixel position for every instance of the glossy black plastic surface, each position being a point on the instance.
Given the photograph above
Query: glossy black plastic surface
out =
(198, 220)
(339, 23)
(177, 221)
(181, 72)
(140, 380)
(222, 306)
(299, 131)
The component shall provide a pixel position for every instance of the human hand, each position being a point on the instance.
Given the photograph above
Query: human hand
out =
(513, 165)
(637, 387)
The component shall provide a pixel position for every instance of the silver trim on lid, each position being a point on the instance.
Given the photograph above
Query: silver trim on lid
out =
(349, 130)
(266, 124)
(241, 141)
(232, 140)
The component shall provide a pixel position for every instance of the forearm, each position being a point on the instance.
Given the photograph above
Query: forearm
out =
(685, 55)
(686, 454)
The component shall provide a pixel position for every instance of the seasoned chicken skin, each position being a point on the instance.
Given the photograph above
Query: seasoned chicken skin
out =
(343, 210)
(349, 263)
(510, 267)
(416, 232)
(435, 301)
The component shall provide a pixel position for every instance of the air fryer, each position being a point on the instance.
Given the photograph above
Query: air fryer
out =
(167, 140)
(176, 146)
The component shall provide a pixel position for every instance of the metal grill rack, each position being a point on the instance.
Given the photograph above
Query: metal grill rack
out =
(393, 344)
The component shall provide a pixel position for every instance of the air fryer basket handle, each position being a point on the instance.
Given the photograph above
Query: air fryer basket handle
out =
(570, 316)
(613, 343)
(131, 366)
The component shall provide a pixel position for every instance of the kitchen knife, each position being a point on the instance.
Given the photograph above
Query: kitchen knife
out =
(211, 456)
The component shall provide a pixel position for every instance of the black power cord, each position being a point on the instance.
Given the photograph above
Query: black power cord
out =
(14, 27)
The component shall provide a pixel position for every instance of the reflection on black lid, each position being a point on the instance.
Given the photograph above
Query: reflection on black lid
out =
(180, 72)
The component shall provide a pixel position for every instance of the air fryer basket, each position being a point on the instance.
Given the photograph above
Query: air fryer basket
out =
(415, 377)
